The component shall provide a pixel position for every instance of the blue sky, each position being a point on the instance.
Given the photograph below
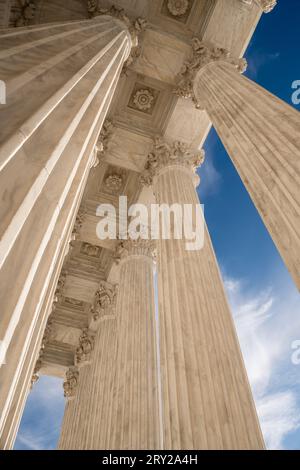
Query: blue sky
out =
(264, 300)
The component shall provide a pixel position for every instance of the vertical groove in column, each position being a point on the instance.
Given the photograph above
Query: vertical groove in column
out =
(207, 399)
(45, 185)
(261, 134)
(116, 404)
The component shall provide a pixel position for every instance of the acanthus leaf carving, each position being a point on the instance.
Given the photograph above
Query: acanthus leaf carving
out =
(79, 221)
(85, 348)
(135, 247)
(104, 137)
(60, 286)
(104, 301)
(135, 27)
(135, 53)
(267, 5)
(203, 53)
(165, 154)
(71, 382)
(45, 340)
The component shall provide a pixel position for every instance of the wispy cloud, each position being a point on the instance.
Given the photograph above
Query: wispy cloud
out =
(259, 59)
(267, 323)
(211, 179)
(279, 416)
(40, 426)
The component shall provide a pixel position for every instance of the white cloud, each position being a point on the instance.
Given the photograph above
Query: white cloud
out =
(40, 426)
(210, 178)
(259, 59)
(267, 324)
(279, 416)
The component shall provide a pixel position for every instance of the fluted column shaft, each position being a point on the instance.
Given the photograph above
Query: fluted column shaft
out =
(117, 405)
(134, 418)
(261, 134)
(86, 422)
(207, 402)
(60, 79)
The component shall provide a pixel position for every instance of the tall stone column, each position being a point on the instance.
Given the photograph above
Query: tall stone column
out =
(60, 79)
(116, 405)
(87, 414)
(207, 402)
(261, 134)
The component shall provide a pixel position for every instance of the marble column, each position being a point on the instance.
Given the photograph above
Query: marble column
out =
(60, 79)
(116, 405)
(261, 134)
(207, 402)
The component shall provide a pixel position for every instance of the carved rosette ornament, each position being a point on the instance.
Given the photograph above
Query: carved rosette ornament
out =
(143, 99)
(71, 382)
(105, 300)
(165, 155)
(25, 13)
(114, 183)
(85, 348)
(178, 7)
(203, 54)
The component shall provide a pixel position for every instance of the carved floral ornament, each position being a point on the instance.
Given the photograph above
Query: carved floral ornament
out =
(166, 154)
(105, 136)
(266, 5)
(25, 12)
(45, 340)
(203, 53)
(143, 99)
(178, 7)
(114, 183)
(80, 217)
(135, 27)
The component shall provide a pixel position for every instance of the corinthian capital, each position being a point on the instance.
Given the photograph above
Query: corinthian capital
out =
(85, 348)
(203, 53)
(104, 138)
(135, 27)
(71, 382)
(139, 247)
(104, 301)
(267, 5)
(165, 154)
